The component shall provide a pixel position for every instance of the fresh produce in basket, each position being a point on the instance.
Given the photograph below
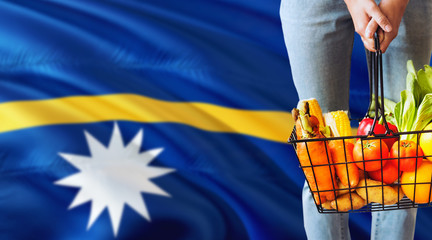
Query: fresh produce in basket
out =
(327, 205)
(414, 111)
(342, 199)
(370, 154)
(342, 150)
(314, 109)
(348, 201)
(418, 181)
(339, 123)
(366, 124)
(313, 153)
(389, 171)
(342, 189)
(375, 191)
(313, 120)
(342, 156)
(425, 142)
(408, 154)
(343, 176)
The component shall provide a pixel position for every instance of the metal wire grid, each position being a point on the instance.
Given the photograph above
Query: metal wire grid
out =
(403, 203)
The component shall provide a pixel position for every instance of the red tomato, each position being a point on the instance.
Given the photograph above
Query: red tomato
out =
(373, 152)
(408, 155)
(366, 124)
(389, 171)
(391, 141)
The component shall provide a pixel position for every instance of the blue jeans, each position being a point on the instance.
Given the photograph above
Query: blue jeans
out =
(391, 225)
(319, 37)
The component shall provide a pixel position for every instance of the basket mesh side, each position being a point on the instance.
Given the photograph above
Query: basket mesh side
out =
(404, 203)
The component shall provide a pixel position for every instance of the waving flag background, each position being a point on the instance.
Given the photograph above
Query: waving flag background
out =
(208, 83)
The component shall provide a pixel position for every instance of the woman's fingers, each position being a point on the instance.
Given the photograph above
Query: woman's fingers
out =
(371, 28)
(379, 17)
(368, 18)
(369, 43)
(384, 45)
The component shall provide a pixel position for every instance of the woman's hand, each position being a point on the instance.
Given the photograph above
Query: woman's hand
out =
(367, 12)
(394, 10)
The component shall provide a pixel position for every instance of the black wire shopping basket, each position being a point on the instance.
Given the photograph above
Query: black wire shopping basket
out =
(411, 189)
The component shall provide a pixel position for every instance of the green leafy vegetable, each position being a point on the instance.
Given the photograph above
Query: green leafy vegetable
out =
(414, 111)
(424, 113)
(389, 106)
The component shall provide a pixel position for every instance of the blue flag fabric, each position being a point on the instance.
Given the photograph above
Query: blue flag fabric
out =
(150, 120)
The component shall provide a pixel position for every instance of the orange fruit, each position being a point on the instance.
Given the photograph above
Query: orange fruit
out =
(425, 142)
(421, 185)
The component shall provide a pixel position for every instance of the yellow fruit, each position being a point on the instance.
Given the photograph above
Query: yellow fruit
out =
(426, 142)
(423, 192)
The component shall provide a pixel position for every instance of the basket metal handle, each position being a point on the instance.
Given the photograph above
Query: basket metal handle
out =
(376, 87)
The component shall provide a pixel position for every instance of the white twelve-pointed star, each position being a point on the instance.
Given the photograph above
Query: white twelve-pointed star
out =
(113, 176)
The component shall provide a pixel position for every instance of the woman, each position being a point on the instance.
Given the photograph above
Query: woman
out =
(319, 37)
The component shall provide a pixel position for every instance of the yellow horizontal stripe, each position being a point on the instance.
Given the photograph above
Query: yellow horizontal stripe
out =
(270, 125)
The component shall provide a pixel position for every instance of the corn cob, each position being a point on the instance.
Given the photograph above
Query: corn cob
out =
(315, 110)
(339, 123)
